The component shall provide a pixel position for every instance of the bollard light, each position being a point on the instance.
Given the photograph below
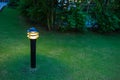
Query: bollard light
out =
(33, 34)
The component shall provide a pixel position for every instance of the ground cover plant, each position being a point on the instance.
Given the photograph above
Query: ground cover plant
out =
(60, 56)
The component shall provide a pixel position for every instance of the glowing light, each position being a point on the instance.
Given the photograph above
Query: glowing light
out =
(32, 33)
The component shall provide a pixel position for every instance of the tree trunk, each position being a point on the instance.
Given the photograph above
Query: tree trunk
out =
(48, 22)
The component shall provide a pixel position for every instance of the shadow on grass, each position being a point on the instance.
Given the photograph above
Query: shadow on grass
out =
(47, 69)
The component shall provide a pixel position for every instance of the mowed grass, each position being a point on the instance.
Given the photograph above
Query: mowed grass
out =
(60, 56)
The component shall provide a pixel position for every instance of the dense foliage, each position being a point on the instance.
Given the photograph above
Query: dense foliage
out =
(72, 20)
(102, 15)
(40, 11)
(13, 3)
(105, 15)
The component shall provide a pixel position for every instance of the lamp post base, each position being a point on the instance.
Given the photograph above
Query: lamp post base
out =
(33, 53)
(33, 69)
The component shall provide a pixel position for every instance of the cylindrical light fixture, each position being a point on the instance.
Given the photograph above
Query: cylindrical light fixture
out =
(33, 34)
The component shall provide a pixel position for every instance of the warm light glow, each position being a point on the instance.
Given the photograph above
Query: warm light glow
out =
(32, 35)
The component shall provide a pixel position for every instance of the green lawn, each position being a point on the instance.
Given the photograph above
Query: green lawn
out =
(60, 56)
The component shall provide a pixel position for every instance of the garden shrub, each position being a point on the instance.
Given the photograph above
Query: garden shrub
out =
(76, 19)
(39, 11)
(106, 19)
(49, 13)
(73, 20)
(33, 10)
(13, 3)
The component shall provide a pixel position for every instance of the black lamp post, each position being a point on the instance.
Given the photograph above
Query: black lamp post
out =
(33, 34)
